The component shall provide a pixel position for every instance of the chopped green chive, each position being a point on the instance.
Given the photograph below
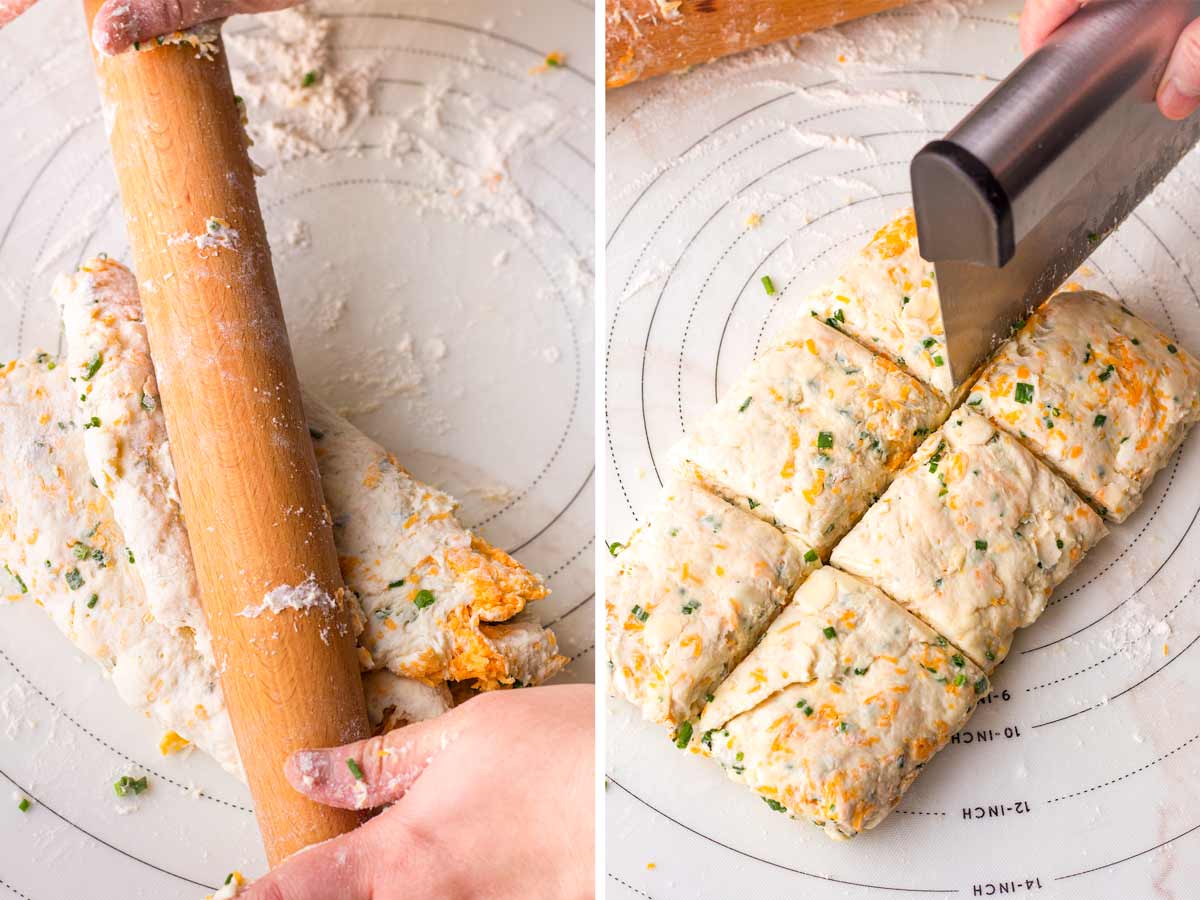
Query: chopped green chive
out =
(424, 598)
(980, 545)
(838, 316)
(20, 581)
(638, 613)
(1058, 543)
(752, 503)
(981, 685)
(905, 301)
(315, 433)
(94, 422)
(768, 285)
(960, 680)
(355, 769)
(830, 632)
(928, 342)
(863, 670)
(842, 727)
(939, 361)
(1107, 373)
(824, 440)
(149, 404)
(991, 656)
(125, 785)
(1171, 348)
(24, 805)
(745, 404)
(310, 78)
(684, 737)
(975, 401)
(774, 804)
(615, 547)
(690, 607)
(74, 579)
(1093, 237)
(706, 738)
(92, 601)
(811, 556)
(958, 661)
(129, 554)
(392, 585)
(1099, 420)
(93, 366)
(1023, 392)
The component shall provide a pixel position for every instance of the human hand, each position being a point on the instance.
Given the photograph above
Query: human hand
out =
(494, 799)
(1179, 88)
(120, 24)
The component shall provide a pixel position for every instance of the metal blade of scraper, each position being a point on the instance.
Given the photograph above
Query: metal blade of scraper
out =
(1014, 199)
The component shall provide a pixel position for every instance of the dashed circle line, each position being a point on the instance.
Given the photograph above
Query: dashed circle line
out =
(1122, 693)
(99, 740)
(1116, 652)
(571, 561)
(13, 889)
(628, 886)
(918, 812)
(1153, 762)
(586, 650)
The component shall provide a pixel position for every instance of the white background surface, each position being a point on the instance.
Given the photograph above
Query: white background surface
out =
(1093, 732)
(502, 420)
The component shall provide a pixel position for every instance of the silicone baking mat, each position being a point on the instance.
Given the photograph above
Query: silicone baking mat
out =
(434, 255)
(1077, 777)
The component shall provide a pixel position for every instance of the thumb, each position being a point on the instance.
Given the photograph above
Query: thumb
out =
(1179, 90)
(344, 861)
(120, 24)
(373, 772)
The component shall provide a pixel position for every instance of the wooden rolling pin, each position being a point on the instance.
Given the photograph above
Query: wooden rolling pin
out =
(645, 38)
(248, 479)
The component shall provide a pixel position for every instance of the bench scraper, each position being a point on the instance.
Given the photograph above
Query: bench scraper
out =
(1021, 191)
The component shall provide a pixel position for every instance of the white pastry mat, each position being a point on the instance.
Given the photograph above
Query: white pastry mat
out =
(1078, 777)
(458, 330)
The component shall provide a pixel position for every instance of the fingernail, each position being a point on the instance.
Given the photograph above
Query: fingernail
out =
(1177, 100)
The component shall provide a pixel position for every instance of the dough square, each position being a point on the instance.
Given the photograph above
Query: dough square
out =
(887, 298)
(811, 433)
(689, 596)
(972, 537)
(1101, 395)
(834, 713)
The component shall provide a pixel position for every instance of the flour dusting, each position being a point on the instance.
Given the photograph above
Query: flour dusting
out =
(304, 596)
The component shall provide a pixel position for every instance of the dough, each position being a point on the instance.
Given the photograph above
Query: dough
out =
(689, 597)
(1098, 393)
(887, 298)
(831, 717)
(88, 506)
(811, 433)
(62, 549)
(972, 536)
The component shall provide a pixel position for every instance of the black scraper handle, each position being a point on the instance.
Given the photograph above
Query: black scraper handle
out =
(1081, 107)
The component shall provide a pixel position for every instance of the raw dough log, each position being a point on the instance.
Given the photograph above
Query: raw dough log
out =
(831, 717)
(1098, 393)
(437, 602)
(688, 598)
(972, 537)
(811, 433)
